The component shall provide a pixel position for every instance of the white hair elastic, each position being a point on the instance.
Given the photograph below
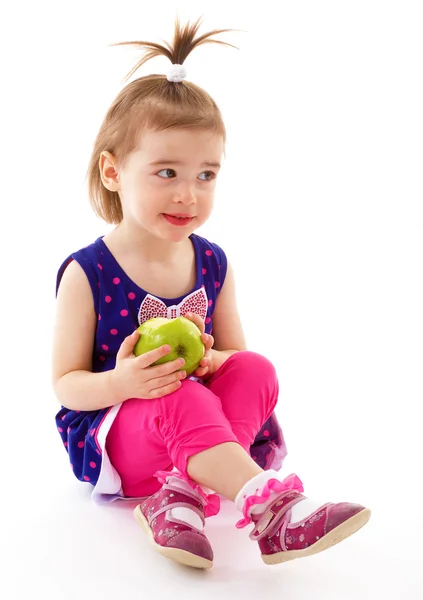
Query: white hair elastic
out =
(176, 73)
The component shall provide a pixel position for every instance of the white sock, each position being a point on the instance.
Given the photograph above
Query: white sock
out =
(299, 511)
(181, 513)
(254, 486)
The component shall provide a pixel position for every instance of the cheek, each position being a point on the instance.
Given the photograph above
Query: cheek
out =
(209, 205)
(145, 198)
(207, 199)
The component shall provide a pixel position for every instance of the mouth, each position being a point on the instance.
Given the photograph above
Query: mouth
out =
(179, 219)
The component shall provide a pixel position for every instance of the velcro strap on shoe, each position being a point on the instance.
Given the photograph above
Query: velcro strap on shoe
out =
(268, 522)
(173, 505)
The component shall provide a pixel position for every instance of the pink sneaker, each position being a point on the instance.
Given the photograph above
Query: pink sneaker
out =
(281, 540)
(171, 536)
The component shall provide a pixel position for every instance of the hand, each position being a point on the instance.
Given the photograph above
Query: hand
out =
(206, 363)
(134, 377)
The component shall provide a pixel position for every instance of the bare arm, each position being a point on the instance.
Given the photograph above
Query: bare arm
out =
(227, 327)
(84, 390)
(75, 385)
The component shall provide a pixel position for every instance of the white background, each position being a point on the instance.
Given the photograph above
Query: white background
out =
(319, 209)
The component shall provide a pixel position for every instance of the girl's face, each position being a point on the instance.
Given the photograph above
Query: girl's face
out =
(171, 173)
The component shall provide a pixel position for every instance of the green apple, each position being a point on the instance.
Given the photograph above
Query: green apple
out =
(181, 334)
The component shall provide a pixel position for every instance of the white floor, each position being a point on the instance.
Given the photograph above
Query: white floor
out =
(58, 544)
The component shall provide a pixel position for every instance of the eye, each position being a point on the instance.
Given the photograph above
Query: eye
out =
(168, 173)
(209, 175)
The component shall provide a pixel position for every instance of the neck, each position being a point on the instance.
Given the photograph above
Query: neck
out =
(142, 242)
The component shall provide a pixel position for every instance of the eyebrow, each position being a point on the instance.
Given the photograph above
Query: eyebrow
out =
(167, 161)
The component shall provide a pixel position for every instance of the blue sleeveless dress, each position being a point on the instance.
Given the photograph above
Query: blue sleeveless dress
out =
(121, 306)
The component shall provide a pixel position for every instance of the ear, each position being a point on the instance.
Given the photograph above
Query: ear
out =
(108, 172)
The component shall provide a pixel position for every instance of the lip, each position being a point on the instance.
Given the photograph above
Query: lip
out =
(182, 215)
(178, 220)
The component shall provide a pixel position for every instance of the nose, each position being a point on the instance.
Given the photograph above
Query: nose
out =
(185, 193)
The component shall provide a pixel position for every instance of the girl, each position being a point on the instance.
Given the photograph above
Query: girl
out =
(134, 430)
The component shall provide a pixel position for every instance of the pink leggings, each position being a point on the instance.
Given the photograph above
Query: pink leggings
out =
(156, 435)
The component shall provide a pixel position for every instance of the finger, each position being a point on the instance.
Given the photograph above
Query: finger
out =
(161, 382)
(208, 340)
(197, 320)
(204, 367)
(200, 371)
(165, 369)
(147, 359)
(163, 391)
(127, 346)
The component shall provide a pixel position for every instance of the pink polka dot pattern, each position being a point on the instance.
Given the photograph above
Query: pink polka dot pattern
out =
(131, 296)
(86, 478)
(105, 347)
(217, 284)
(92, 464)
(208, 320)
(81, 444)
(100, 266)
(108, 299)
(266, 433)
(124, 312)
(209, 253)
(116, 280)
(210, 302)
(204, 271)
(114, 331)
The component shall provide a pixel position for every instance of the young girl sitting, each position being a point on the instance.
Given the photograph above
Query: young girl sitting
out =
(134, 430)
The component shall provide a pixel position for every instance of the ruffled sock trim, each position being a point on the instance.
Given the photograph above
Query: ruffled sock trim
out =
(211, 501)
(271, 487)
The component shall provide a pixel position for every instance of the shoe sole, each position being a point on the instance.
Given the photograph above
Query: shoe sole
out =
(180, 556)
(343, 531)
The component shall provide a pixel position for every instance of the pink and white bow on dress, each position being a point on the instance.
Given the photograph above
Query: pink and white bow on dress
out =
(152, 307)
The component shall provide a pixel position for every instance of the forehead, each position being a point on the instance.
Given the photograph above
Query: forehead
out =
(178, 143)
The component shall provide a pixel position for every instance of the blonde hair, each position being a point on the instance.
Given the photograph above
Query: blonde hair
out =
(153, 103)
